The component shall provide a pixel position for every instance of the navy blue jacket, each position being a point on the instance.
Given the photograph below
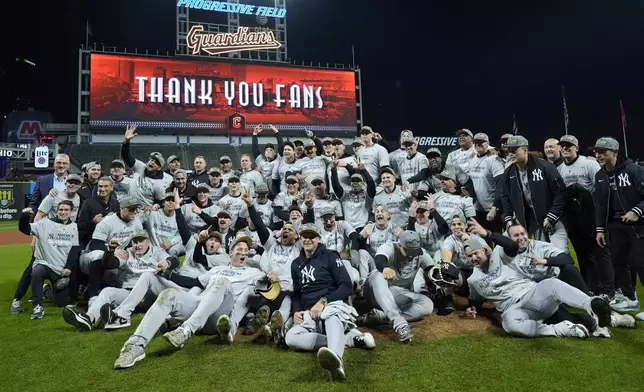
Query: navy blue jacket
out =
(41, 190)
(322, 276)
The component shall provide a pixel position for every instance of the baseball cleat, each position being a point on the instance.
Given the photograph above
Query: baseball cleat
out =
(16, 307)
(622, 320)
(569, 329)
(277, 328)
(38, 312)
(365, 341)
(130, 354)
(111, 320)
(262, 315)
(178, 337)
(264, 336)
(404, 333)
(225, 330)
(624, 304)
(600, 332)
(78, 320)
(601, 309)
(332, 363)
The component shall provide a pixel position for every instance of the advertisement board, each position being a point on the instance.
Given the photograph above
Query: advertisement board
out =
(12, 200)
(199, 96)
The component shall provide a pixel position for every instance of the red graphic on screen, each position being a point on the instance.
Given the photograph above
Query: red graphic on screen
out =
(205, 94)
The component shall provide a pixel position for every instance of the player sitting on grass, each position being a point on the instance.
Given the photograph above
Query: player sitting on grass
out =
(217, 310)
(524, 303)
(55, 254)
(132, 263)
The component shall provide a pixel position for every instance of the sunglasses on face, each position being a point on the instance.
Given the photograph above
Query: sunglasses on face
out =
(566, 146)
(215, 174)
(479, 143)
(73, 182)
(308, 236)
(224, 162)
(512, 150)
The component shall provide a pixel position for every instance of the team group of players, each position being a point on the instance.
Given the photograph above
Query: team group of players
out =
(286, 245)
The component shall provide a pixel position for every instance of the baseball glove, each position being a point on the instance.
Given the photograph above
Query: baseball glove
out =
(268, 289)
(446, 275)
(61, 283)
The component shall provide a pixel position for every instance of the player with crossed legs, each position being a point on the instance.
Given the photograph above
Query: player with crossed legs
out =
(323, 319)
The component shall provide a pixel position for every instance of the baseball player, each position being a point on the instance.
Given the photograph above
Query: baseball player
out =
(226, 166)
(232, 203)
(397, 157)
(464, 154)
(524, 303)
(428, 223)
(292, 196)
(393, 197)
(372, 155)
(413, 163)
(200, 213)
(132, 263)
(312, 164)
(486, 171)
(264, 206)
(357, 203)
(122, 183)
(334, 234)
(390, 289)
(249, 178)
(449, 200)
(161, 225)
(380, 231)
(187, 191)
(148, 183)
(198, 175)
(217, 310)
(55, 254)
(267, 160)
(323, 321)
(345, 162)
(288, 163)
(322, 199)
(112, 232)
(48, 208)
(218, 188)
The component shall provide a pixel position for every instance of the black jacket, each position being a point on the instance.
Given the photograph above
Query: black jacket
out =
(547, 189)
(322, 276)
(196, 179)
(628, 179)
(92, 207)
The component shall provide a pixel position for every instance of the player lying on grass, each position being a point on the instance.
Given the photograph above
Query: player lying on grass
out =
(132, 264)
(55, 255)
(524, 303)
(323, 319)
(217, 310)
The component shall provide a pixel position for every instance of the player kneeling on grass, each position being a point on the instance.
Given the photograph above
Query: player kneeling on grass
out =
(217, 310)
(323, 319)
(390, 289)
(55, 256)
(133, 264)
(524, 303)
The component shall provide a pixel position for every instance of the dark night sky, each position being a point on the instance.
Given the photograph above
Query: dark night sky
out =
(431, 67)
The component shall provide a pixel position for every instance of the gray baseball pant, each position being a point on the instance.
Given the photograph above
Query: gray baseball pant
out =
(525, 318)
(177, 250)
(312, 335)
(198, 313)
(398, 303)
(558, 238)
(149, 285)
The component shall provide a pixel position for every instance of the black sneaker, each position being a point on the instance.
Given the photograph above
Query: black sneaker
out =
(107, 314)
(444, 305)
(78, 320)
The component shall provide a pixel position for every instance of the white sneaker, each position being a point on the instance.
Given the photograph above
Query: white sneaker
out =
(569, 329)
(365, 341)
(622, 320)
(624, 304)
(640, 316)
(601, 332)
(332, 363)
(178, 337)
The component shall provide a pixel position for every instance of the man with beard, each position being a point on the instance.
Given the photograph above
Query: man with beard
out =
(312, 165)
(396, 200)
(486, 171)
(249, 178)
(121, 182)
(148, 183)
(619, 194)
(233, 202)
(462, 156)
(324, 200)
(217, 187)
(55, 254)
(267, 160)
(162, 228)
(216, 311)
(534, 194)
(225, 229)
(449, 200)
(276, 263)
(345, 166)
(88, 189)
(379, 232)
(264, 206)
(292, 196)
(552, 149)
(132, 263)
(49, 206)
(198, 175)
(503, 150)
(321, 290)
(413, 163)
(372, 155)
(357, 203)
(389, 290)
(226, 166)
(199, 214)
(187, 191)
(428, 177)
(57, 180)
(333, 235)
(396, 158)
(287, 164)
(578, 174)
(112, 232)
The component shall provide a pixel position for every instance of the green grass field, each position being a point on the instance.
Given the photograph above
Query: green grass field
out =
(49, 355)
(8, 225)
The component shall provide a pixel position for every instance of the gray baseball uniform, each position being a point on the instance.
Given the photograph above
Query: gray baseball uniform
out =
(145, 189)
(250, 179)
(460, 158)
(448, 205)
(396, 202)
(343, 174)
(396, 158)
(411, 166)
(235, 206)
(266, 212)
(455, 245)
(280, 169)
(430, 238)
(191, 269)
(122, 188)
(379, 237)
(330, 202)
(194, 221)
(49, 205)
(374, 158)
(581, 171)
(394, 299)
(111, 227)
(266, 167)
(356, 208)
(163, 229)
(482, 171)
(55, 240)
(336, 239)
(312, 168)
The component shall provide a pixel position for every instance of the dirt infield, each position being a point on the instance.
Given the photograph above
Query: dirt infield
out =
(12, 237)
